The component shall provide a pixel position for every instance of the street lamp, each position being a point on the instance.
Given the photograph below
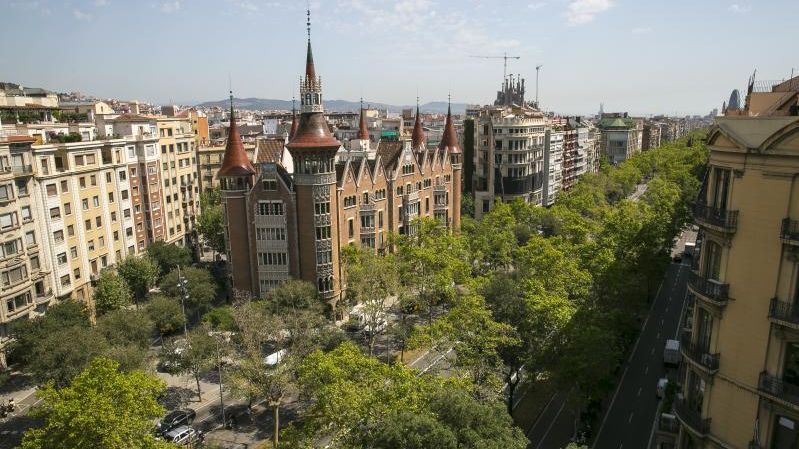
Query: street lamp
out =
(184, 295)
(215, 336)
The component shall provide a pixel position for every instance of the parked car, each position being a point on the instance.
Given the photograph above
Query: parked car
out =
(661, 388)
(184, 435)
(176, 419)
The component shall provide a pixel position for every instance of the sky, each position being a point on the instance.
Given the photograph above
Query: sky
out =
(641, 56)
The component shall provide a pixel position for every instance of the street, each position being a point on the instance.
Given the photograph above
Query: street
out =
(631, 415)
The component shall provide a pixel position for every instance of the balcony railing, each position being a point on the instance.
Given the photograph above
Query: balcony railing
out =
(726, 220)
(691, 418)
(709, 289)
(789, 233)
(699, 355)
(668, 423)
(19, 170)
(783, 311)
(774, 386)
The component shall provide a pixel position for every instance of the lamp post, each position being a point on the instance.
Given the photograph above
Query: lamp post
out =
(184, 295)
(215, 336)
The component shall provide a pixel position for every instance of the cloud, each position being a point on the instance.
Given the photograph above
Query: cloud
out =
(80, 15)
(170, 6)
(642, 30)
(536, 5)
(740, 9)
(100, 2)
(250, 6)
(581, 12)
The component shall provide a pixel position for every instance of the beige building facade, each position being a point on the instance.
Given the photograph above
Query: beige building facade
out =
(740, 384)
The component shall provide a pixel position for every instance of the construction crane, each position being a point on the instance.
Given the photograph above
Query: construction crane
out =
(505, 57)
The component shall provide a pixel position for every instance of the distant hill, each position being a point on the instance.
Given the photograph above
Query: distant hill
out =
(439, 107)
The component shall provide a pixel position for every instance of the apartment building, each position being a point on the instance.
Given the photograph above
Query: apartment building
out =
(281, 224)
(180, 185)
(740, 377)
(24, 266)
(618, 137)
(509, 156)
(650, 138)
(553, 165)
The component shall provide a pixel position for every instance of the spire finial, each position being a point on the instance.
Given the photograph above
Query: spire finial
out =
(231, 104)
(361, 102)
(293, 104)
(449, 103)
(308, 23)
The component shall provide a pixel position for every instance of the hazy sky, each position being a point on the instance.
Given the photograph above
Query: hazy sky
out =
(643, 56)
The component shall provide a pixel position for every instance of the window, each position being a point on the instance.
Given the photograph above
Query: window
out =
(85, 203)
(70, 230)
(88, 224)
(15, 275)
(18, 302)
(55, 213)
(98, 221)
(367, 221)
(325, 284)
(322, 208)
(25, 211)
(82, 182)
(427, 204)
(350, 201)
(322, 232)
(124, 194)
(10, 248)
(58, 236)
(90, 245)
(96, 201)
(273, 258)
(67, 209)
(270, 208)
(116, 236)
(76, 273)
(108, 177)
(270, 185)
(270, 233)
(65, 280)
(62, 259)
(34, 263)
(110, 197)
(73, 252)
(30, 238)
(123, 175)
(380, 219)
(113, 217)
(52, 190)
(350, 228)
(101, 241)
(93, 180)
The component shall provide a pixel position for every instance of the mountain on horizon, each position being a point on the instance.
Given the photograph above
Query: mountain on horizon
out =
(252, 104)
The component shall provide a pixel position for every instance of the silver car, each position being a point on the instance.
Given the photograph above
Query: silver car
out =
(183, 435)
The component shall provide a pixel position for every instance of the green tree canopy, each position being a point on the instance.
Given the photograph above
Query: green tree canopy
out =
(199, 284)
(103, 408)
(169, 255)
(165, 313)
(111, 292)
(140, 273)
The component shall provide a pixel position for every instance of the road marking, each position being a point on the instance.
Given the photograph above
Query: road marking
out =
(646, 371)
(657, 337)
(544, 437)
(627, 365)
(639, 391)
(420, 357)
(630, 419)
(541, 414)
(654, 424)
(435, 362)
(667, 309)
(652, 352)
(661, 322)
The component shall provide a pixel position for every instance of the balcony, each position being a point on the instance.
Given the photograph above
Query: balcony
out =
(789, 233)
(699, 356)
(691, 419)
(368, 207)
(440, 188)
(367, 230)
(783, 312)
(22, 170)
(777, 388)
(709, 290)
(715, 218)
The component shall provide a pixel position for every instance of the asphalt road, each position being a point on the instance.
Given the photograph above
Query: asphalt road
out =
(629, 420)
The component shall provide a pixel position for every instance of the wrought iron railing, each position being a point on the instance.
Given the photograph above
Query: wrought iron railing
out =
(789, 231)
(777, 387)
(715, 291)
(699, 354)
(714, 216)
(691, 418)
(783, 311)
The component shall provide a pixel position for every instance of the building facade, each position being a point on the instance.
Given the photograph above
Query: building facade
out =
(282, 224)
(618, 137)
(740, 380)
(553, 166)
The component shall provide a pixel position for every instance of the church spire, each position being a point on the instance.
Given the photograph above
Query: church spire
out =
(235, 162)
(310, 70)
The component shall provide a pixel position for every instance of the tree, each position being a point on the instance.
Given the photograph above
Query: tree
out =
(294, 295)
(127, 327)
(254, 376)
(220, 319)
(200, 286)
(103, 408)
(211, 221)
(140, 273)
(28, 333)
(371, 281)
(168, 255)
(111, 292)
(165, 313)
(194, 356)
(61, 355)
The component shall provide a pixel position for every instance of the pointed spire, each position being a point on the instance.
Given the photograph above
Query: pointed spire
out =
(235, 162)
(418, 138)
(363, 131)
(310, 70)
(449, 140)
(295, 123)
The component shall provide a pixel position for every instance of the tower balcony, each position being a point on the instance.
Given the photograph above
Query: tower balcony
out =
(709, 290)
(789, 232)
(690, 419)
(721, 220)
(699, 356)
